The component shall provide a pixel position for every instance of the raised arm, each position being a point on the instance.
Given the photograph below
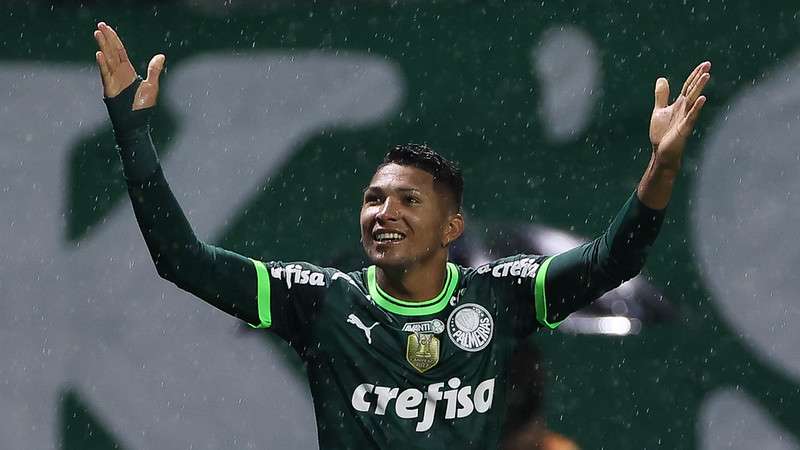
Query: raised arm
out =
(571, 280)
(220, 277)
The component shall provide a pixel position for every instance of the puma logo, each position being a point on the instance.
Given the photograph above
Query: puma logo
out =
(367, 330)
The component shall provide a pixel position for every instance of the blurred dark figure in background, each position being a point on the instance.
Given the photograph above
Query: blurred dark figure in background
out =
(525, 427)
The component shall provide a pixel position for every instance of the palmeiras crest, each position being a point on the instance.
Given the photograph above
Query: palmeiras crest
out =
(470, 327)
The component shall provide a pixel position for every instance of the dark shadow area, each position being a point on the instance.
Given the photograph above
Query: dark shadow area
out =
(80, 429)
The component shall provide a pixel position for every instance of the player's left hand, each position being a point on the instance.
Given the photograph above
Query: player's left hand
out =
(117, 71)
(672, 124)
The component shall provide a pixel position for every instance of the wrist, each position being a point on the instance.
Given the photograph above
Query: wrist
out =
(127, 122)
(663, 167)
(655, 187)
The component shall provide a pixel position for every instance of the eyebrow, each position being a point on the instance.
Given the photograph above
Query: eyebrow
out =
(376, 189)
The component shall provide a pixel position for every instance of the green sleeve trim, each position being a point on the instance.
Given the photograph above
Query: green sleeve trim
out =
(410, 308)
(540, 297)
(264, 312)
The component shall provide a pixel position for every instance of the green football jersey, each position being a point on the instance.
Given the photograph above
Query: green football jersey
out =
(384, 373)
(387, 373)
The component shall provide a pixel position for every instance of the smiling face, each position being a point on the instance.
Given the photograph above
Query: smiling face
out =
(406, 219)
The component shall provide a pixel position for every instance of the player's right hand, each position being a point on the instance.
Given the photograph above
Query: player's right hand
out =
(117, 72)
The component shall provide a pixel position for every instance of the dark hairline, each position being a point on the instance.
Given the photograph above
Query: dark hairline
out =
(446, 173)
(453, 200)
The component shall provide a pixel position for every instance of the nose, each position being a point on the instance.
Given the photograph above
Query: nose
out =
(388, 211)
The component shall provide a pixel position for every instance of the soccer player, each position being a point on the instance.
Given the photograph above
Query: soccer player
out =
(412, 351)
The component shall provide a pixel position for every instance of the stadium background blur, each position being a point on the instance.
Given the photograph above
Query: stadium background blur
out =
(275, 114)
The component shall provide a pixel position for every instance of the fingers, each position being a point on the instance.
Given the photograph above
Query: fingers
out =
(154, 68)
(701, 68)
(689, 80)
(694, 78)
(116, 49)
(697, 88)
(105, 49)
(105, 73)
(102, 44)
(687, 125)
(662, 93)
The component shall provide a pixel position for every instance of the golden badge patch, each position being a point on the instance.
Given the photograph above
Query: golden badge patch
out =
(422, 351)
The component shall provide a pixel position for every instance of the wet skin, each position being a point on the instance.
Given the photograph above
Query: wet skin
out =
(407, 223)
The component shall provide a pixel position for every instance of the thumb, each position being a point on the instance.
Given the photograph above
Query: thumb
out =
(662, 93)
(154, 69)
(147, 92)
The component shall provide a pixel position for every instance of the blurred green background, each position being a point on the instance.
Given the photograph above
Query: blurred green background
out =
(471, 88)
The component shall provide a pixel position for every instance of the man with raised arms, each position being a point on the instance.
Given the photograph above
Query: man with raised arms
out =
(412, 351)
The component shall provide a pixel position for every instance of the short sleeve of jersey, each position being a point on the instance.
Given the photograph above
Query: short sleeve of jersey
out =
(513, 283)
(288, 297)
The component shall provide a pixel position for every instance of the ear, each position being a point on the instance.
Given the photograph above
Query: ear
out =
(453, 229)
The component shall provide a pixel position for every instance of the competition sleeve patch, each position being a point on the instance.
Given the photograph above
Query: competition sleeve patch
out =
(264, 314)
(540, 296)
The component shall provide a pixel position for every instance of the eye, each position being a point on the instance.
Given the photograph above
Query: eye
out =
(372, 199)
(412, 200)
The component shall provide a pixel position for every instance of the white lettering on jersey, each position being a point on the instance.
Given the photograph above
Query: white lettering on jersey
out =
(410, 403)
(522, 268)
(434, 326)
(359, 401)
(294, 273)
(338, 274)
(352, 318)
(456, 298)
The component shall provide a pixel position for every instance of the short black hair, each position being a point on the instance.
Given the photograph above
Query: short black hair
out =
(445, 172)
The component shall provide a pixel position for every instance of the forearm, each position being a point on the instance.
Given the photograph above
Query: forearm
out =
(655, 187)
(577, 277)
(166, 231)
(222, 278)
(170, 239)
(580, 275)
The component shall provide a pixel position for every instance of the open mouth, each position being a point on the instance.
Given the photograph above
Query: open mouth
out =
(387, 237)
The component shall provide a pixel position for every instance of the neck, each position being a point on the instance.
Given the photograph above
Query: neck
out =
(420, 282)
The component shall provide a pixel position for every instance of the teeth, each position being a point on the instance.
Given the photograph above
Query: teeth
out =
(388, 237)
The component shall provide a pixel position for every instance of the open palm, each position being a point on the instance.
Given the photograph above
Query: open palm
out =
(672, 124)
(118, 73)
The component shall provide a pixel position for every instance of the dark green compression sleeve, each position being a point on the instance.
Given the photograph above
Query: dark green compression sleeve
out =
(569, 281)
(220, 277)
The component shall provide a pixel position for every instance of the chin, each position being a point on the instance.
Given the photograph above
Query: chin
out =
(389, 259)
(395, 260)
(384, 260)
